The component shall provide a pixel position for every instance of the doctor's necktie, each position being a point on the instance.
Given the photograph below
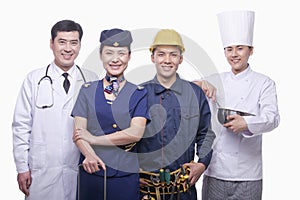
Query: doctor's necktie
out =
(66, 83)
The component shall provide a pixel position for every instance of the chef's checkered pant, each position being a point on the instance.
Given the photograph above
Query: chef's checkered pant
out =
(216, 189)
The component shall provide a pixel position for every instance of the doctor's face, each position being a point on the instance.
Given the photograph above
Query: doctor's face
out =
(237, 56)
(65, 47)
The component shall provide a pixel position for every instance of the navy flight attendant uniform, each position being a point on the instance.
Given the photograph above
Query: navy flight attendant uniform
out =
(106, 117)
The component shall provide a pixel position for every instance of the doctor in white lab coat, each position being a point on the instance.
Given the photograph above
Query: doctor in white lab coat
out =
(45, 156)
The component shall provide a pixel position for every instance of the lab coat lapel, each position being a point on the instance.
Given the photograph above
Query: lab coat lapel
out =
(74, 89)
(78, 83)
(57, 85)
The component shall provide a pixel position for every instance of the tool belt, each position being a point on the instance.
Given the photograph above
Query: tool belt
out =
(165, 182)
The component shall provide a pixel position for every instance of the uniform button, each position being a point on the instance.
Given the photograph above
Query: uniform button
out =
(114, 125)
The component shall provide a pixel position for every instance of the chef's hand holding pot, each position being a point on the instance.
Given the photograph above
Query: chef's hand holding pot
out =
(236, 123)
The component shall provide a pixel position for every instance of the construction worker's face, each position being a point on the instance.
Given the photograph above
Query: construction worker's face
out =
(166, 58)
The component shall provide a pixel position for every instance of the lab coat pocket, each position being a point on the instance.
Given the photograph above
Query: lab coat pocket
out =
(37, 156)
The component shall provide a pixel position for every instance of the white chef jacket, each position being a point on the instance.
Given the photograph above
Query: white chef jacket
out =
(42, 138)
(238, 157)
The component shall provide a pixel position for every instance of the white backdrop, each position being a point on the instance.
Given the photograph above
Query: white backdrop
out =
(25, 34)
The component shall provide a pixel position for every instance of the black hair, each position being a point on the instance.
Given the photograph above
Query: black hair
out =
(66, 26)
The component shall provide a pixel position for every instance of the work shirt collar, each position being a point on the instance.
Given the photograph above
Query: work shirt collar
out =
(176, 87)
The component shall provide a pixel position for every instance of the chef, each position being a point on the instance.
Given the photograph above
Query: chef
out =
(235, 171)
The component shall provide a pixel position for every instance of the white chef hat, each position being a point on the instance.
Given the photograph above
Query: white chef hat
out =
(236, 27)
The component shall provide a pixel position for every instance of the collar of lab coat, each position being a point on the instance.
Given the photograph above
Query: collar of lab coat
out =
(56, 73)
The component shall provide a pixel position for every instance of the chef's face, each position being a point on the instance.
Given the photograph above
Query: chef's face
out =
(237, 56)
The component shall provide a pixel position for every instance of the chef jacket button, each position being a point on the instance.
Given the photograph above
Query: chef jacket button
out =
(114, 125)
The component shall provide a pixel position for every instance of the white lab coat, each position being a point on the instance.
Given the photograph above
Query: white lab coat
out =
(42, 138)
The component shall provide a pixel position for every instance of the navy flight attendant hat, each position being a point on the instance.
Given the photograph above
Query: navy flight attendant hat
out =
(116, 37)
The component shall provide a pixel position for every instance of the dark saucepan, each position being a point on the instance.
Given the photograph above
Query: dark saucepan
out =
(224, 112)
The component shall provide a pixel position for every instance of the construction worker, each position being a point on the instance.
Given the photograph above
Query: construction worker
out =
(180, 123)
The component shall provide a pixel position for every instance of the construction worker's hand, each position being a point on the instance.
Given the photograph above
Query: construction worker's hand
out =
(196, 170)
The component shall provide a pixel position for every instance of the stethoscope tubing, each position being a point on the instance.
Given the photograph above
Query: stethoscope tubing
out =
(51, 82)
(47, 76)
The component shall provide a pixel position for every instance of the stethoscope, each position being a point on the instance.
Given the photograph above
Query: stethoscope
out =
(48, 78)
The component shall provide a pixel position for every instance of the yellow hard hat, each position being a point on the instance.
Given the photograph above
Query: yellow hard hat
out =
(167, 37)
